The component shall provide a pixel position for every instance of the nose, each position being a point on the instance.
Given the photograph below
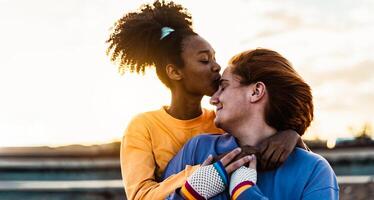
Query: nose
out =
(214, 100)
(216, 67)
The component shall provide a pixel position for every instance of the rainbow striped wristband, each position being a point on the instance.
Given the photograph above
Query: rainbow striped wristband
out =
(242, 179)
(241, 187)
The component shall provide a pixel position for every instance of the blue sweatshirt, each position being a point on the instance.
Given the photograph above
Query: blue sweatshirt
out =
(304, 175)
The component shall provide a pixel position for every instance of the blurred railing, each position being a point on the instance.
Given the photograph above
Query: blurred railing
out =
(81, 173)
(74, 172)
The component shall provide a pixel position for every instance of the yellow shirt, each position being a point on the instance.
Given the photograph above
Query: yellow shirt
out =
(150, 141)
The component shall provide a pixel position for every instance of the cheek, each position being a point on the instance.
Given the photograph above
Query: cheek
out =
(232, 100)
(194, 72)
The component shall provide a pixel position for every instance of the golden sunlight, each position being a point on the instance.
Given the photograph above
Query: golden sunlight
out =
(58, 87)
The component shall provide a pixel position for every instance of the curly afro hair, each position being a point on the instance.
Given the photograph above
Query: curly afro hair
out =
(135, 39)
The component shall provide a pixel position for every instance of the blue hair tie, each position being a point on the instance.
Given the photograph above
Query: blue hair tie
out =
(165, 31)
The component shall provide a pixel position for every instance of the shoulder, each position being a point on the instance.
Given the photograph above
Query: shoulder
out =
(312, 167)
(150, 114)
(200, 144)
(204, 138)
(301, 158)
(214, 144)
(306, 164)
(318, 174)
(144, 118)
(140, 124)
(309, 157)
(309, 167)
(209, 138)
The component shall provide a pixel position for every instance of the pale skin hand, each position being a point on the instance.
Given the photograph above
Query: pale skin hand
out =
(230, 167)
(253, 162)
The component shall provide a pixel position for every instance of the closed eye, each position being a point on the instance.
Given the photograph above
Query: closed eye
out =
(222, 87)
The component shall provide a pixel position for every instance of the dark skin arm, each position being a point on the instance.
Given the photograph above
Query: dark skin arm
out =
(276, 149)
(272, 152)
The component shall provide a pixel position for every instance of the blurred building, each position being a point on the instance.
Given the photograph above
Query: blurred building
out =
(72, 172)
(353, 163)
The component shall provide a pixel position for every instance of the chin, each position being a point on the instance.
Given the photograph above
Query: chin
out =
(218, 123)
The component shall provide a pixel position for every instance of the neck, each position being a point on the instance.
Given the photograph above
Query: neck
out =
(253, 132)
(184, 106)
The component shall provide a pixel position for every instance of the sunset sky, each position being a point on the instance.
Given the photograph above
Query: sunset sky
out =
(58, 87)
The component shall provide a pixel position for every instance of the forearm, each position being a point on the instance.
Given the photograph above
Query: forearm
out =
(150, 189)
(138, 173)
(138, 168)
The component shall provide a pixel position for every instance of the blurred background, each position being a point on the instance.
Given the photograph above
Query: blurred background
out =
(64, 105)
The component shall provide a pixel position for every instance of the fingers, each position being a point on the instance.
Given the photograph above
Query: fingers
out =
(266, 157)
(253, 162)
(264, 146)
(230, 156)
(235, 165)
(208, 161)
(275, 160)
(283, 157)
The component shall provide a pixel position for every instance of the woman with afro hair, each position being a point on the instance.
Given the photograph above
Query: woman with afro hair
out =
(160, 35)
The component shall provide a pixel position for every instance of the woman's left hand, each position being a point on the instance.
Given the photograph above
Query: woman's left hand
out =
(276, 149)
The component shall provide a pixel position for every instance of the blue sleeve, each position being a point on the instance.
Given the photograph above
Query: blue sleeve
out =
(175, 196)
(184, 157)
(253, 193)
(322, 184)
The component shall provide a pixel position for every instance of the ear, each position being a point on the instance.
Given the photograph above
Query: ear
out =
(257, 92)
(173, 72)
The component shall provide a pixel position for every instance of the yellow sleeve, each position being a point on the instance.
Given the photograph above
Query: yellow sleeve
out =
(138, 166)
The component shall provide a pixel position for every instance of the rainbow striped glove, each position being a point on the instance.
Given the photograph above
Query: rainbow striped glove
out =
(242, 179)
(205, 182)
